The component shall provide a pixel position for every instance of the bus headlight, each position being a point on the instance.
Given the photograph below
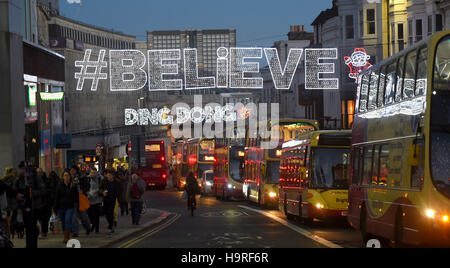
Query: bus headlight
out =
(430, 213)
(272, 194)
(208, 183)
(445, 218)
(230, 186)
(319, 206)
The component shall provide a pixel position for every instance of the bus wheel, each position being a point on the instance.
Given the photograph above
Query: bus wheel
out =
(398, 234)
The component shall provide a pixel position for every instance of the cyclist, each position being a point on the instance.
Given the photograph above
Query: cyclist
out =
(191, 189)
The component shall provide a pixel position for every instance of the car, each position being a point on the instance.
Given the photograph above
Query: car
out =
(207, 182)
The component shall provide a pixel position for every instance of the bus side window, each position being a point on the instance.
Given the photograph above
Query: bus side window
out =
(417, 169)
(384, 166)
(368, 164)
(364, 93)
(410, 75)
(356, 155)
(376, 165)
(400, 77)
(421, 81)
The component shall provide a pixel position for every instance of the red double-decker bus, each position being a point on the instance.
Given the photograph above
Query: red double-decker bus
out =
(154, 172)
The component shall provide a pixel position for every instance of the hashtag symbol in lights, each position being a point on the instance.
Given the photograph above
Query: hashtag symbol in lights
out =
(94, 76)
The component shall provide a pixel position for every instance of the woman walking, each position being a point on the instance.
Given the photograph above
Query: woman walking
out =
(95, 198)
(66, 201)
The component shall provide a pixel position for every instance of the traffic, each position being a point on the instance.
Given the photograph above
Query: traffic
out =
(388, 177)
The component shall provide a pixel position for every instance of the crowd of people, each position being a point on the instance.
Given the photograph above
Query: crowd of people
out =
(32, 202)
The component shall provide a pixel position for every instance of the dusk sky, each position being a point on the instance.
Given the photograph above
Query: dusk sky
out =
(258, 22)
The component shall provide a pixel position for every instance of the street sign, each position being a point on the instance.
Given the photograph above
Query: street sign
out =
(62, 141)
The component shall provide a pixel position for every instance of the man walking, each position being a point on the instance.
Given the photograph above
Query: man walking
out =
(135, 193)
(110, 189)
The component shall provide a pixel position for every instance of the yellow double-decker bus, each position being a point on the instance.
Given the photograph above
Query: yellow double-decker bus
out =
(200, 156)
(400, 173)
(262, 166)
(313, 176)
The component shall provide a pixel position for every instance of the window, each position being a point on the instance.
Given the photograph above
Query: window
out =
(410, 75)
(430, 25)
(390, 83)
(400, 72)
(439, 23)
(349, 27)
(375, 166)
(356, 166)
(419, 31)
(361, 23)
(410, 32)
(384, 166)
(370, 17)
(421, 80)
(368, 164)
(400, 36)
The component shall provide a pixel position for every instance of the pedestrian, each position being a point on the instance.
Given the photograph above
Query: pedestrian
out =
(45, 211)
(4, 228)
(82, 184)
(10, 180)
(66, 202)
(31, 191)
(95, 198)
(124, 181)
(110, 190)
(135, 192)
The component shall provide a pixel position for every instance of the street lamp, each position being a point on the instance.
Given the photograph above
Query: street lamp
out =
(141, 134)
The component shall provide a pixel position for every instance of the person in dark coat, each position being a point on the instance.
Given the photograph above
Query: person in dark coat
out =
(30, 193)
(191, 189)
(66, 201)
(110, 189)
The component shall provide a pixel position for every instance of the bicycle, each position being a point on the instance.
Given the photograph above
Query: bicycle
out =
(192, 204)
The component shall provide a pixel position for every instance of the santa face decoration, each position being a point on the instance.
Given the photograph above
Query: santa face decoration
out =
(357, 62)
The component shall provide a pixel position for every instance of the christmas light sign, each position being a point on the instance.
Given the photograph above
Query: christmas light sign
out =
(235, 69)
(357, 62)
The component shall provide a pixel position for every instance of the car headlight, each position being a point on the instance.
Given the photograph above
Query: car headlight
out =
(230, 186)
(208, 183)
(272, 194)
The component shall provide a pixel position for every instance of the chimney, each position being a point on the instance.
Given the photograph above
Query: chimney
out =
(292, 28)
(303, 28)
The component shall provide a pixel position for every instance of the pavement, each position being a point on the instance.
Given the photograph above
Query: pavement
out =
(151, 218)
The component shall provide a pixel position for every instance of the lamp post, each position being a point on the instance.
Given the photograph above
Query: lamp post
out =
(141, 134)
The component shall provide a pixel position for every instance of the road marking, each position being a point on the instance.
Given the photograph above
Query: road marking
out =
(150, 233)
(293, 227)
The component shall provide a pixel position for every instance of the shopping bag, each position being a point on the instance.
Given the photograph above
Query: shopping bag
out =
(184, 195)
(84, 202)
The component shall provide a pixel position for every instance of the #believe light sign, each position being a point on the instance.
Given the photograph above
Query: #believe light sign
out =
(127, 70)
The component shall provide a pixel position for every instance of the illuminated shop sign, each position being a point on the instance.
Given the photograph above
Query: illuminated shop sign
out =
(127, 70)
(57, 96)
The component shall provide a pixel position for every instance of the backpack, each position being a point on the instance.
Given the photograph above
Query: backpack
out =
(135, 191)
